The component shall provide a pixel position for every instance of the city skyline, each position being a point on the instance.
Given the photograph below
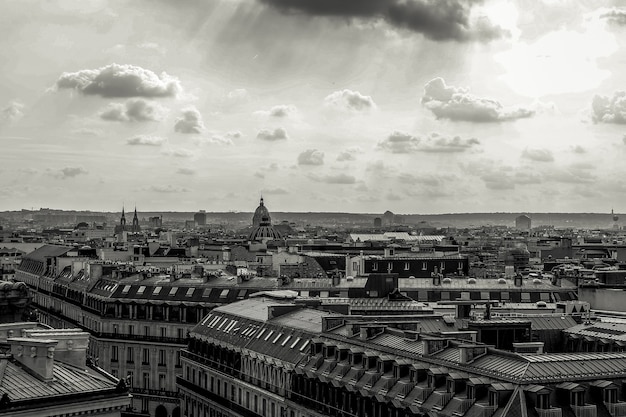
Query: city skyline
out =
(321, 106)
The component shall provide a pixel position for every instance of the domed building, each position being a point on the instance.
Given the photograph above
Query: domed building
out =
(262, 225)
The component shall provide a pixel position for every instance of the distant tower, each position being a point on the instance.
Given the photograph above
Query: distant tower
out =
(135, 221)
(615, 219)
(123, 219)
(523, 222)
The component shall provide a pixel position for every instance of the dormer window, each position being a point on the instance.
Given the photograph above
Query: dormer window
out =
(610, 395)
(450, 385)
(543, 401)
(471, 392)
(493, 398)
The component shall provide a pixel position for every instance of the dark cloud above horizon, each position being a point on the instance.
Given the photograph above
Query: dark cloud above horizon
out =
(400, 142)
(440, 20)
(334, 179)
(116, 80)
(455, 103)
(615, 15)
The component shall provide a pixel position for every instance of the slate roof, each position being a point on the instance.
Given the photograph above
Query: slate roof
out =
(48, 251)
(21, 385)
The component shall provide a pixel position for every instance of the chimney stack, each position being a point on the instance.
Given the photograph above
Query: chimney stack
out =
(72, 344)
(36, 355)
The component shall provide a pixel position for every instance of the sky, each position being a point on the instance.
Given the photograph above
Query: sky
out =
(412, 106)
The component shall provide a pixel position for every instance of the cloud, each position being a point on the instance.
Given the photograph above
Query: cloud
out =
(538, 155)
(438, 20)
(238, 95)
(168, 189)
(311, 157)
(399, 142)
(186, 171)
(348, 100)
(146, 140)
(12, 112)
(224, 139)
(609, 109)
(334, 179)
(578, 149)
(454, 103)
(85, 131)
(278, 134)
(71, 172)
(274, 191)
(614, 15)
(179, 153)
(116, 80)
(279, 111)
(190, 122)
(349, 154)
(135, 110)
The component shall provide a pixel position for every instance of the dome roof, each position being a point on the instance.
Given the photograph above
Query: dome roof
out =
(261, 215)
(264, 232)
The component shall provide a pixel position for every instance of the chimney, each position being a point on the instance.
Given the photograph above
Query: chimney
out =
(436, 277)
(72, 344)
(518, 280)
(35, 355)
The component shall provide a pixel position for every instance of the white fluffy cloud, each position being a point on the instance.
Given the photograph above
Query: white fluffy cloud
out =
(190, 122)
(269, 135)
(349, 154)
(146, 140)
(609, 109)
(538, 155)
(400, 142)
(11, 112)
(279, 111)
(455, 103)
(121, 81)
(135, 110)
(348, 100)
(311, 157)
(334, 179)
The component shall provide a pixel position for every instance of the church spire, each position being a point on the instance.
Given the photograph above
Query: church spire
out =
(123, 218)
(135, 221)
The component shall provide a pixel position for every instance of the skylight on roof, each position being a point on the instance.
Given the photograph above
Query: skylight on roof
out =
(125, 289)
(277, 337)
(269, 334)
(224, 293)
(295, 343)
(304, 345)
(173, 291)
(141, 290)
(190, 292)
(222, 323)
(258, 336)
(286, 340)
(206, 319)
(214, 321)
(156, 291)
(206, 292)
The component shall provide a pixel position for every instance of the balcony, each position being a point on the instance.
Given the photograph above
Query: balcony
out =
(155, 392)
(617, 409)
(549, 412)
(589, 410)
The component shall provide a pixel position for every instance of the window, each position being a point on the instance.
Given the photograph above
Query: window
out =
(163, 332)
(145, 356)
(162, 357)
(375, 266)
(424, 266)
(178, 359)
(146, 380)
(493, 398)
(130, 378)
(389, 266)
(406, 266)
(114, 354)
(610, 395)
(130, 355)
(471, 393)
(146, 330)
(181, 333)
(162, 382)
(131, 329)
